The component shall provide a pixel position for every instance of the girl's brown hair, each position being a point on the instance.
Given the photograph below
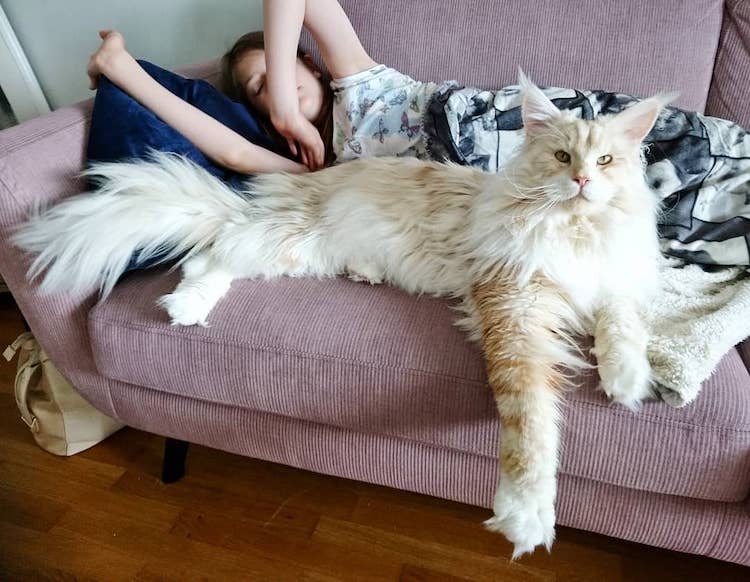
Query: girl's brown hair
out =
(231, 87)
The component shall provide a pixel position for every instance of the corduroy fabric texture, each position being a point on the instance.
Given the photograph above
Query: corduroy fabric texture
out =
(710, 528)
(374, 359)
(728, 97)
(39, 161)
(660, 46)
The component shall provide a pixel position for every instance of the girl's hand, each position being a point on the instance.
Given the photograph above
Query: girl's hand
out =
(106, 57)
(303, 139)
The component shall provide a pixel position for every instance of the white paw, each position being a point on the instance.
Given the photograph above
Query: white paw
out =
(186, 308)
(526, 519)
(362, 279)
(365, 273)
(626, 377)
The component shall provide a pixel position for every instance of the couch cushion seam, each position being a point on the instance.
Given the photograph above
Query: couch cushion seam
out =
(326, 357)
(613, 483)
(34, 137)
(11, 193)
(421, 442)
(742, 429)
(283, 350)
(298, 418)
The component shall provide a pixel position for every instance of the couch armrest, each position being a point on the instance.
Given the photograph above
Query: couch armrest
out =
(39, 163)
(40, 160)
(744, 350)
(728, 93)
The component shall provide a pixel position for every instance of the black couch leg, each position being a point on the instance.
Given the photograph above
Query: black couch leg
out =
(173, 467)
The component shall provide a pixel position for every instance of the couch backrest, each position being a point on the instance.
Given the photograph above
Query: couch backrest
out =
(730, 89)
(635, 46)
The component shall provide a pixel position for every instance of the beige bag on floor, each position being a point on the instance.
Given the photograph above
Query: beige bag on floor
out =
(60, 419)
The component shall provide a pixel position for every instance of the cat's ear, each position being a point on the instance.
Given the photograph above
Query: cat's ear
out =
(637, 120)
(536, 108)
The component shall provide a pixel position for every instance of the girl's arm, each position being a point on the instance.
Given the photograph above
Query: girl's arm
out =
(337, 40)
(221, 144)
(282, 24)
(339, 46)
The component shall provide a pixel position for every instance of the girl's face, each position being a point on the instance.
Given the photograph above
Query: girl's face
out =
(250, 72)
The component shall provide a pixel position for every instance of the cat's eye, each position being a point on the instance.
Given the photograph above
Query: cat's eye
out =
(562, 156)
(604, 160)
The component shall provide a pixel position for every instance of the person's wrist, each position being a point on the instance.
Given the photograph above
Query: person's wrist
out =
(284, 117)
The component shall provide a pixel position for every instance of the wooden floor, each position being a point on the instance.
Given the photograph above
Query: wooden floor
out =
(104, 515)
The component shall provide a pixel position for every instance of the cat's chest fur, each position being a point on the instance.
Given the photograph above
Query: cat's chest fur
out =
(589, 258)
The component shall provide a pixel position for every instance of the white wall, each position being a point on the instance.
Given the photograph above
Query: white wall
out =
(59, 35)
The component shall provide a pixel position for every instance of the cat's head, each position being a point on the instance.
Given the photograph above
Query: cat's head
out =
(581, 164)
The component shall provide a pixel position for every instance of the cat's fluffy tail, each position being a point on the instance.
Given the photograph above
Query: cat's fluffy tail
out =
(164, 208)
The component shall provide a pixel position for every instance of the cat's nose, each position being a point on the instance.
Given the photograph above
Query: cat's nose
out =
(582, 180)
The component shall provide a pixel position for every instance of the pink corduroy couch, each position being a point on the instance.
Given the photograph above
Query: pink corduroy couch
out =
(371, 384)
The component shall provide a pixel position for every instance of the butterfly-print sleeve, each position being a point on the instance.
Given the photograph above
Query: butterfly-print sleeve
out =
(379, 112)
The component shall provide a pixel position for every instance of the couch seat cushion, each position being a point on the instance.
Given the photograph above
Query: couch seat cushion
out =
(373, 359)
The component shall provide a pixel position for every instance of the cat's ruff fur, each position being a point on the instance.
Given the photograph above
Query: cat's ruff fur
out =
(534, 257)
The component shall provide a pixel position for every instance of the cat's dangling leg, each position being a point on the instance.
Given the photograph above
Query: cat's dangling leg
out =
(620, 343)
(205, 281)
(522, 352)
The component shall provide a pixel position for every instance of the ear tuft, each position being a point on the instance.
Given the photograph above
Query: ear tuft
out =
(536, 108)
(667, 97)
(523, 80)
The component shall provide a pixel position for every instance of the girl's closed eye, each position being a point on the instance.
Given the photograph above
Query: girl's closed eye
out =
(255, 84)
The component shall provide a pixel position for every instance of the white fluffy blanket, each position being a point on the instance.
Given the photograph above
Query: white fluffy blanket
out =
(698, 317)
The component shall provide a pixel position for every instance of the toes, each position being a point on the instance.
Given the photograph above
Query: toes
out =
(525, 534)
(526, 520)
(182, 310)
(627, 382)
(629, 392)
(521, 549)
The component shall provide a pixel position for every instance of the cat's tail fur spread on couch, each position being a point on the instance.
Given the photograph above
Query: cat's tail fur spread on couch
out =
(152, 211)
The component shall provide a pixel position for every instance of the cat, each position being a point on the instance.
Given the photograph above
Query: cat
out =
(561, 243)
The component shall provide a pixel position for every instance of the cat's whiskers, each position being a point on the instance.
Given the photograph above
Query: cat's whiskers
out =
(527, 193)
(522, 214)
(540, 212)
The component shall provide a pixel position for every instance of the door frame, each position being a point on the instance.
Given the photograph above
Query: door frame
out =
(19, 83)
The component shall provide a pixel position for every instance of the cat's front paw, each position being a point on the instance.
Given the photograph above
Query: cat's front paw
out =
(185, 308)
(526, 519)
(626, 377)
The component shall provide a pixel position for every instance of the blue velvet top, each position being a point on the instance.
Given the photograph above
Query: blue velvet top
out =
(122, 129)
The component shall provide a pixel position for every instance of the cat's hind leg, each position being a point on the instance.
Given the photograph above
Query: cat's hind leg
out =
(205, 281)
(365, 272)
(620, 342)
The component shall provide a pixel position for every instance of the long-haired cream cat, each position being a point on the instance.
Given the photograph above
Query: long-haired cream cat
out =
(563, 242)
